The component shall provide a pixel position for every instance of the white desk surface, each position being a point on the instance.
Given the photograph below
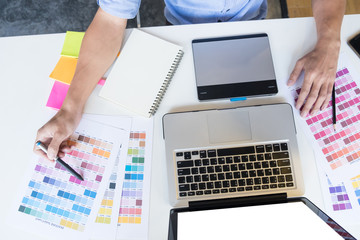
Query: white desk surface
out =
(27, 61)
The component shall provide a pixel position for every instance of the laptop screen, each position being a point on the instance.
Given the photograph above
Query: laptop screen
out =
(292, 220)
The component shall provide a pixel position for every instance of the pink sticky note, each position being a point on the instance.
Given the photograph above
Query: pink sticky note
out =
(58, 94)
(101, 82)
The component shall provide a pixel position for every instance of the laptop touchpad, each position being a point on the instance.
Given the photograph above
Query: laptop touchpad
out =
(228, 126)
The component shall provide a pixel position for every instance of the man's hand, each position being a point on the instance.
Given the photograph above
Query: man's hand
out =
(55, 134)
(319, 66)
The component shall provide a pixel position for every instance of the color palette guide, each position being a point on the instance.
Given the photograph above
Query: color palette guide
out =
(106, 219)
(340, 149)
(339, 197)
(355, 182)
(135, 198)
(131, 198)
(335, 152)
(55, 203)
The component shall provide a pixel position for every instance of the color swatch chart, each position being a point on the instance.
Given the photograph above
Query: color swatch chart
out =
(132, 192)
(339, 197)
(53, 202)
(355, 181)
(341, 147)
(107, 203)
(56, 196)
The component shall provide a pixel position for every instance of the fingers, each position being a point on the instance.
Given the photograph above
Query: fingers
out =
(320, 100)
(54, 146)
(55, 132)
(42, 154)
(54, 139)
(64, 148)
(327, 100)
(42, 137)
(296, 72)
(306, 89)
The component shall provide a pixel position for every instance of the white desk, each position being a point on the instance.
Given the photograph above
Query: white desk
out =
(26, 63)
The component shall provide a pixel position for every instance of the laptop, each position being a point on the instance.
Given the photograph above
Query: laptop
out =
(229, 158)
(231, 153)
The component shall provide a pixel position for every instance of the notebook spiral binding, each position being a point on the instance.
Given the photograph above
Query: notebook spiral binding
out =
(166, 83)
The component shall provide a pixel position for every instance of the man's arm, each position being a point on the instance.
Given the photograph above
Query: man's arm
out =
(320, 65)
(100, 46)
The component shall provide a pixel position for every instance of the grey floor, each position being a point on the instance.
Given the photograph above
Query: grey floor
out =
(27, 17)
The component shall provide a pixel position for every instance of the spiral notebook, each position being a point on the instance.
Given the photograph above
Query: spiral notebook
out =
(142, 73)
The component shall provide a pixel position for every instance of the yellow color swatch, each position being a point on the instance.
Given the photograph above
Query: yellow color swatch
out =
(123, 220)
(107, 202)
(107, 220)
(100, 219)
(64, 70)
(71, 225)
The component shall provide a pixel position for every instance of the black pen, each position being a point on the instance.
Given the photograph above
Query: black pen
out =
(60, 161)
(333, 108)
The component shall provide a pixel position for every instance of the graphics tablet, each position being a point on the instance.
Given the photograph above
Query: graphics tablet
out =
(236, 66)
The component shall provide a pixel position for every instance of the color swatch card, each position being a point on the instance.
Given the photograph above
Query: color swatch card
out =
(133, 217)
(337, 151)
(56, 204)
(339, 203)
(355, 184)
(107, 214)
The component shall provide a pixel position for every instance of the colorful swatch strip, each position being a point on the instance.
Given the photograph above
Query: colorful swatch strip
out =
(106, 208)
(355, 181)
(339, 197)
(340, 147)
(56, 197)
(132, 193)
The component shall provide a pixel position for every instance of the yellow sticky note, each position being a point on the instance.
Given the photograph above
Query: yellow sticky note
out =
(72, 44)
(64, 70)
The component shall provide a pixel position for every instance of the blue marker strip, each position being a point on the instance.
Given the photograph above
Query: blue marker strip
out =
(237, 99)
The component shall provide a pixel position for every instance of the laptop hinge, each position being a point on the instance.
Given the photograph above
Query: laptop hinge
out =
(239, 202)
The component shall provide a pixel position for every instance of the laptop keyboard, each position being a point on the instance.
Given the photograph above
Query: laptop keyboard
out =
(258, 167)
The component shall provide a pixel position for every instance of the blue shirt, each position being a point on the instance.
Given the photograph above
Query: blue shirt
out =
(193, 11)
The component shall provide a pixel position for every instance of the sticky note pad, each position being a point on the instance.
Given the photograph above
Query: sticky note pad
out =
(72, 44)
(57, 95)
(64, 70)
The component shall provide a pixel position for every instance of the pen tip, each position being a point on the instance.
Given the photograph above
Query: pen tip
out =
(335, 127)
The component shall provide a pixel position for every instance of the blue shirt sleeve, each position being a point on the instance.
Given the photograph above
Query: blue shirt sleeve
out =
(120, 8)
